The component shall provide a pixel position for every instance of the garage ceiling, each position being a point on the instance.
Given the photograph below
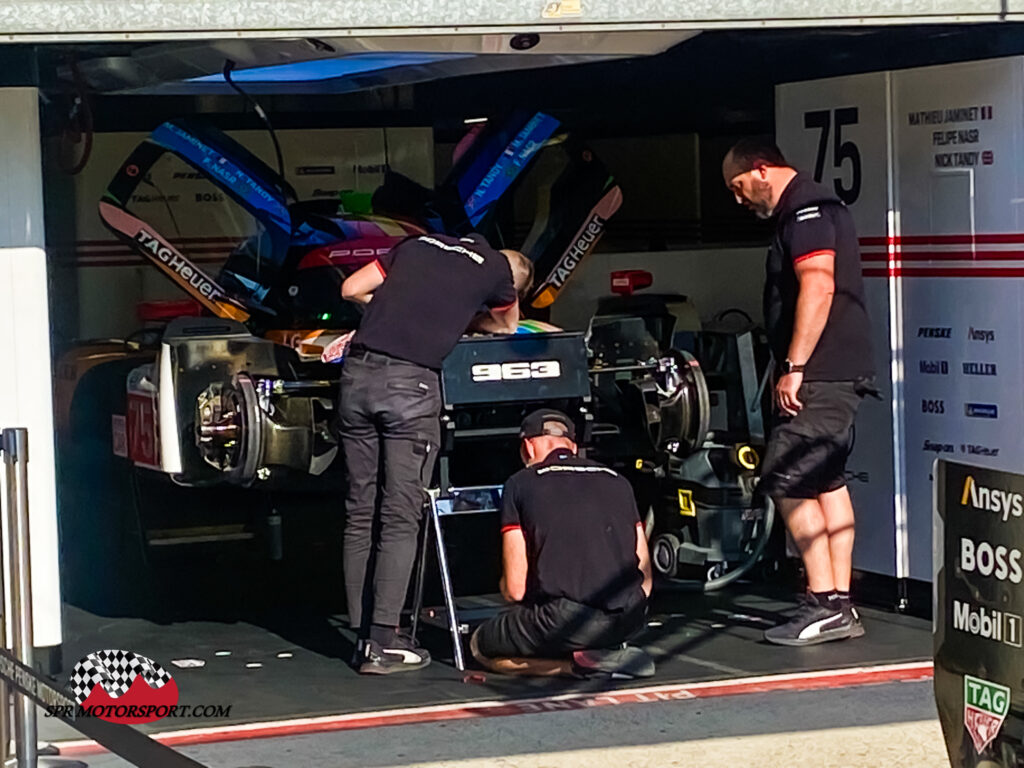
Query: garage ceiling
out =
(326, 65)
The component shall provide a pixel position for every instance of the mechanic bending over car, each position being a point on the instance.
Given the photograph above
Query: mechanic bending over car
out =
(575, 564)
(819, 333)
(421, 296)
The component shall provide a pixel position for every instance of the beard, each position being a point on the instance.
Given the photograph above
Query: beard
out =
(760, 199)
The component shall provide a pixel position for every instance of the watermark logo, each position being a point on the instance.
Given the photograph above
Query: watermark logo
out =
(123, 687)
(985, 708)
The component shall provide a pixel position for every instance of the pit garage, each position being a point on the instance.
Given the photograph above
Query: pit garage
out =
(184, 197)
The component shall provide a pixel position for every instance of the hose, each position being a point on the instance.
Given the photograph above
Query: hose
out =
(714, 585)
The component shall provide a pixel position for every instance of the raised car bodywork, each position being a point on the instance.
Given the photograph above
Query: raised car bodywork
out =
(242, 396)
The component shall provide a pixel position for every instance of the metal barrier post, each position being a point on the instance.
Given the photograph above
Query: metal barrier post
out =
(5, 693)
(15, 449)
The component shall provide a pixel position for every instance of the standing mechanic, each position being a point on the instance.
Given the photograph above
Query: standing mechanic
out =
(575, 563)
(818, 328)
(421, 297)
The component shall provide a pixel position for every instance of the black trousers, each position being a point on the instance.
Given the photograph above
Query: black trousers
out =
(390, 433)
(555, 628)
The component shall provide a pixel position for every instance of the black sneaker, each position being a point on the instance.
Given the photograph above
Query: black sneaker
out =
(816, 623)
(851, 612)
(402, 655)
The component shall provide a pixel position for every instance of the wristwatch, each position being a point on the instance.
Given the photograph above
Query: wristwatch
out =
(789, 366)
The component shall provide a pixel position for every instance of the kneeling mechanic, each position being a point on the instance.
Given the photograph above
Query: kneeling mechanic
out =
(575, 562)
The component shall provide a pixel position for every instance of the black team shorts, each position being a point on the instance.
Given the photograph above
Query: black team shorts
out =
(806, 453)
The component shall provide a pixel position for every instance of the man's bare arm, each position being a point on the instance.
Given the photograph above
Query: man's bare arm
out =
(816, 275)
(514, 565)
(644, 556)
(360, 285)
(497, 320)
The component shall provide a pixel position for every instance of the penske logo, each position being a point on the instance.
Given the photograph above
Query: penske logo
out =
(1004, 503)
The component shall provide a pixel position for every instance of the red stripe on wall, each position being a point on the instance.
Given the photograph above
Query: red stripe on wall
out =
(944, 272)
(959, 239)
(947, 256)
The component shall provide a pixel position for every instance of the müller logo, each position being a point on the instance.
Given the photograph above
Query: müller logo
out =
(123, 687)
(980, 369)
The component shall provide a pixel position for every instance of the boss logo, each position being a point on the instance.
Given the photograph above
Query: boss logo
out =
(540, 369)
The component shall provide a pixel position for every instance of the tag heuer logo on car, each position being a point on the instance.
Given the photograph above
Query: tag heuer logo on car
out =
(985, 708)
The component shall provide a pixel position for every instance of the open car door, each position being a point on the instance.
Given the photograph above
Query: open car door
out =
(522, 182)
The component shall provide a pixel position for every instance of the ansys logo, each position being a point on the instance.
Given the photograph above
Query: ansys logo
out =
(985, 708)
(995, 500)
(123, 687)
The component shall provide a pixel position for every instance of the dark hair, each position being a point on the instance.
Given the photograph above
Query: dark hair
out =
(754, 152)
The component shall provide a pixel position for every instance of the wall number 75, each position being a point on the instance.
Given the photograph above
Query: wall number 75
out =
(841, 150)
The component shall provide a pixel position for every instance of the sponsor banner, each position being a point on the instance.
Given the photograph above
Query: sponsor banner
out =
(979, 625)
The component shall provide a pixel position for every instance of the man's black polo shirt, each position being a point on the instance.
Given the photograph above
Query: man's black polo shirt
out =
(433, 287)
(810, 220)
(579, 519)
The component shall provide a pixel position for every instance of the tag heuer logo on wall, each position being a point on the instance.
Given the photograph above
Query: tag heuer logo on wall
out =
(985, 708)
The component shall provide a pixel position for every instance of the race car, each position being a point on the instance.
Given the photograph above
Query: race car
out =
(239, 394)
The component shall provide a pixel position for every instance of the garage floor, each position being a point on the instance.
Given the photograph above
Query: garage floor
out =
(693, 637)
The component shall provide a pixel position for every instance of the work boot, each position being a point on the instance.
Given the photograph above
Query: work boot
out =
(816, 622)
(401, 655)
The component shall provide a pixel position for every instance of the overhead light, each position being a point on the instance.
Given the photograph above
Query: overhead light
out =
(326, 69)
(472, 120)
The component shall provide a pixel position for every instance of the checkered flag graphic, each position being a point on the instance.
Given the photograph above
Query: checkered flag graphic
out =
(115, 671)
